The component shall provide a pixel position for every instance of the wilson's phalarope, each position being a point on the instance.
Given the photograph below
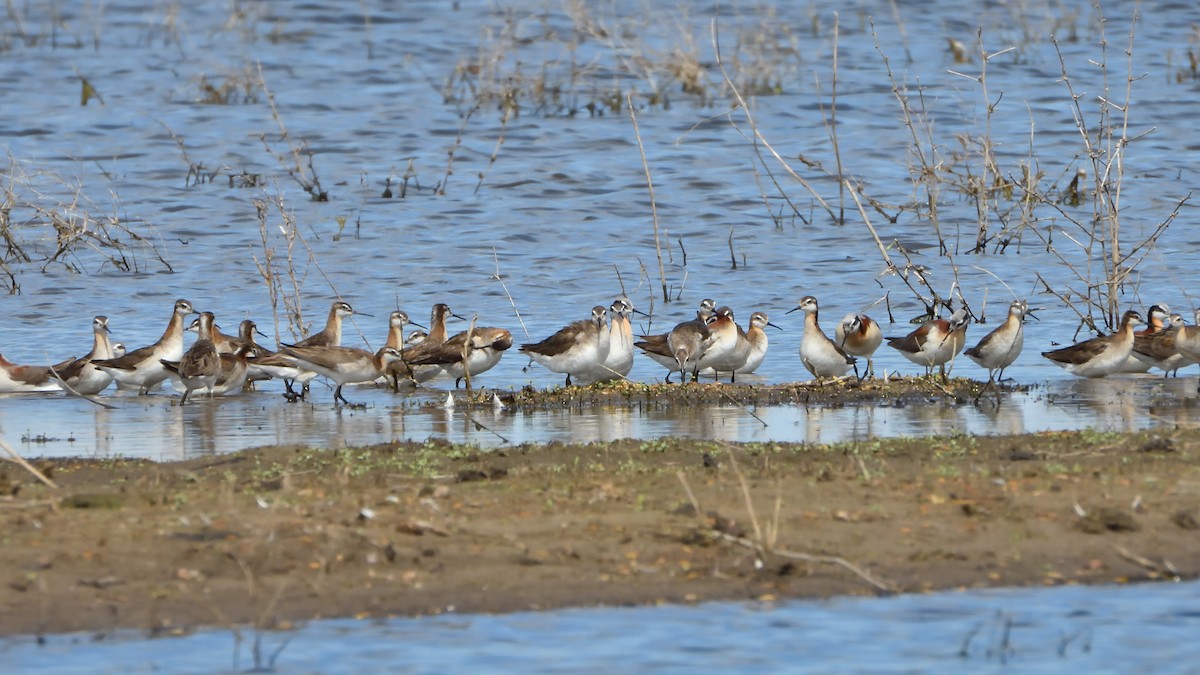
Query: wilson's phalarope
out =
(1159, 348)
(727, 349)
(428, 346)
(935, 343)
(820, 356)
(200, 365)
(486, 347)
(415, 338)
(620, 342)
(1157, 320)
(1099, 356)
(142, 368)
(331, 334)
(15, 379)
(859, 335)
(757, 337)
(1187, 340)
(999, 348)
(79, 374)
(118, 350)
(344, 365)
(397, 320)
(680, 349)
(579, 348)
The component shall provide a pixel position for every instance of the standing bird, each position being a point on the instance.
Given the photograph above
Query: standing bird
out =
(999, 348)
(728, 347)
(429, 345)
(1187, 340)
(820, 356)
(395, 339)
(331, 334)
(680, 349)
(1159, 350)
(1158, 318)
(200, 365)
(142, 369)
(579, 348)
(859, 335)
(343, 365)
(457, 357)
(935, 343)
(619, 361)
(81, 375)
(1101, 355)
(757, 337)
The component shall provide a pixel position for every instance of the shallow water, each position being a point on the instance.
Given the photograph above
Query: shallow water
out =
(564, 207)
(1144, 628)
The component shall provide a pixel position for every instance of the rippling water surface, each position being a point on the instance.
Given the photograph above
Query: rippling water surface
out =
(1071, 629)
(383, 94)
(554, 202)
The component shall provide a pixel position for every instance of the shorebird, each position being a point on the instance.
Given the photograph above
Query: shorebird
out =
(232, 374)
(200, 365)
(999, 348)
(15, 379)
(484, 351)
(1187, 340)
(680, 349)
(1102, 355)
(859, 335)
(1159, 349)
(727, 349)
(620, 342)
(820, 356)
(395, 339)
(427, 347)
(415, 338)
(758, 342)
(580, 348)
(142, 368)
(344, 365)
(935, 343)
(80, 375)
(1157, 320)
(331, 334)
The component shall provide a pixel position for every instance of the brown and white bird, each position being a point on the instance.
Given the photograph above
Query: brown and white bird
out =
(343, 365)
(457, 358)
(1187, 340)
(999, 348)
(820, 356)
(434, 339)
(1159, 349)
(18, 379)
(727, 348)
(81, 375)
(620, 342)
(331, 334)
(757, 337)
(142, 368)
(1158, 318)
(859, 335)
(200, 365)
(579, 348)
(680, 349)
(1099, 356)
(935, 343)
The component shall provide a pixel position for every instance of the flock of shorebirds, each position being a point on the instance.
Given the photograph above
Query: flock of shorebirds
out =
(597, 349)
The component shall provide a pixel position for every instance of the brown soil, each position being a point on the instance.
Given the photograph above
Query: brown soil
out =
(276, 536)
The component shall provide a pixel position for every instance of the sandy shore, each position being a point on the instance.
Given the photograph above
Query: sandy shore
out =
(277, 536)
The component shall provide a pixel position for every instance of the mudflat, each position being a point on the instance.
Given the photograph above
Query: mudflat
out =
(277, 536)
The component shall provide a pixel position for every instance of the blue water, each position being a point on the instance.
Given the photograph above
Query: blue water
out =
(372, 86)
(1098, 629)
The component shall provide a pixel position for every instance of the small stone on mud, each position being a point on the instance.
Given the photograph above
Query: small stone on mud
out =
(1108, 519)
(684, 509)
(1185, 519)
(1158, 445)
(1021, 453)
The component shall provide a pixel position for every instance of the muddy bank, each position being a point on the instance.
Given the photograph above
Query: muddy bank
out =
(279, 535)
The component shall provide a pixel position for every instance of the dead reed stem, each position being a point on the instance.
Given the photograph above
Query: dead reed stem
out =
(662, 275)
